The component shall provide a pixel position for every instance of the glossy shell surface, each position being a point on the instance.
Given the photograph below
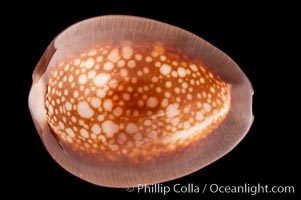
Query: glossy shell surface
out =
(120, 101)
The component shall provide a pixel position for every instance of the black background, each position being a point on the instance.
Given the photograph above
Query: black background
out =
(258, 37)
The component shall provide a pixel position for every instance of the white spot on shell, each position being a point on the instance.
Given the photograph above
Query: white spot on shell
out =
(84, 133)
(101, 79)
(70, 132)
(152, 102)
(68, 106)
(108, 104)
(199, 116)
(172, 110)
(193, 67)
(123, 72)
(165, 69)
(90, 62)
(131, 64)
(117, 111)
(109, 128)
(108, 66)
(84, 110)
(91, 74)
(164, 103)
(147, 122)
(202, 80)
(127, 52)
(61, 125)
(114, 55)
(95, 102)
(82, 79)
(95, 129)
(99, 59)
(181, 72)
(168, 84)
(131, 128)
(207, 107)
